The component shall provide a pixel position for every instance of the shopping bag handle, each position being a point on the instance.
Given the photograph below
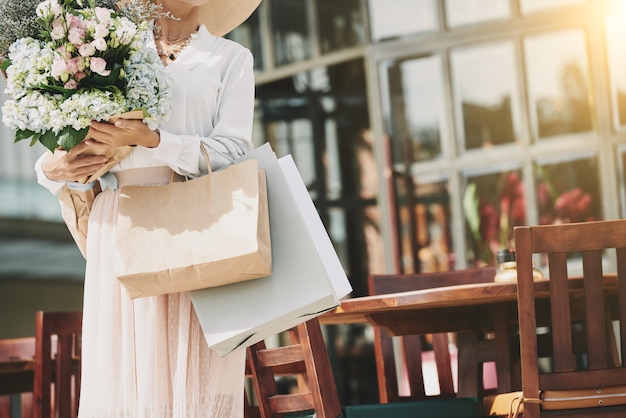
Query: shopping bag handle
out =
(204, 145)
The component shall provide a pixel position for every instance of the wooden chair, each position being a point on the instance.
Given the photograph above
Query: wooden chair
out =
(307, 360)
(411, 347)
(16, 390)
(57, 363)
(589, 386)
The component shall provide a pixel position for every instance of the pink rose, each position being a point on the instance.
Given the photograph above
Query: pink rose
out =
(59, 68)
(98, 65)
(76, 36)
(100, 44)
(58, 29)
(86, 50)
(71, 84)
(100, 30)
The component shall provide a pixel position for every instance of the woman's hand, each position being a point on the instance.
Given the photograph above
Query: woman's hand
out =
(124, 132)
(73, 165)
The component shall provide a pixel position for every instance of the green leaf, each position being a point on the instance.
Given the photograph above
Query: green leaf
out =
(470, 207)
(113, 79)
(70, 137)
(48, 88)
(49, 140)
(21, 134)
(35, 139)
(6, 63)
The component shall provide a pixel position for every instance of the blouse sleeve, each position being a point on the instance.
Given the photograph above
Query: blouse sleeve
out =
(52, 185)
(231, 136)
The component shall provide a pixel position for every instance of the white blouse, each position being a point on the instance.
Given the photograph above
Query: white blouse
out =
(212, 103)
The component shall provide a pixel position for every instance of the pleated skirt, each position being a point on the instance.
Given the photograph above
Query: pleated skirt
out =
(146, 358)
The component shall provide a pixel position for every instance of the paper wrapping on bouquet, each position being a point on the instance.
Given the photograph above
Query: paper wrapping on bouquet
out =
(76, 205)
(205, 232)
(307, 277)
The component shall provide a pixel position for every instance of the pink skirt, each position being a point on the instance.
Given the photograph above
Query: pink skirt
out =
(146, 358)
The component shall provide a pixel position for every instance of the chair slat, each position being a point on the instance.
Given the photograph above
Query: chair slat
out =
(280, 356)
(441, 345)
(621, 296)
(595, 315)
(564, 360)
(414, 367)
(284, 404)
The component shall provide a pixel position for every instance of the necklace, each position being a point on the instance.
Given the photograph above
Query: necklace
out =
(172, 49)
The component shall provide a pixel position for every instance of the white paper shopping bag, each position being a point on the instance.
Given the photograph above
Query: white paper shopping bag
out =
(307, 277)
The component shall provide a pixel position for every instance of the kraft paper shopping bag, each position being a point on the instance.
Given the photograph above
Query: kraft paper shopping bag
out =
(307, 277)
(205, 232)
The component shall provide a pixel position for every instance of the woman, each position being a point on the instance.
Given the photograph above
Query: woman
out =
(147, 358)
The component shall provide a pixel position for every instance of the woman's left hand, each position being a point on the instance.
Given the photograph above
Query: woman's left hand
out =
(124, 132)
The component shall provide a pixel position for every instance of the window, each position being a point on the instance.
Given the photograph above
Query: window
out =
(464, 12)
(558, 89)
(485, 95)
(416, 108)
(341, 24)
(290, 26)
(395, 18)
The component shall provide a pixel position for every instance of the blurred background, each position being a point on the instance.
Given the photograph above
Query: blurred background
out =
(424, 129)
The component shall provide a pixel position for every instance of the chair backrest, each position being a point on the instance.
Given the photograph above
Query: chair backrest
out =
(307, 360)
(591, 309)
(411, 348)
(16, 390)
(57, 363)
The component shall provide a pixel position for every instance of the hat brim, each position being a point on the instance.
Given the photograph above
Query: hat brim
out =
(222, 16)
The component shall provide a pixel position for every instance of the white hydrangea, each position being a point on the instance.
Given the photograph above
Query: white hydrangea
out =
(32, 112)
(80, 109)
(148, 85)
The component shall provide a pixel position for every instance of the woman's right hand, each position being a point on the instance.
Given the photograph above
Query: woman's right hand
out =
(74, 164)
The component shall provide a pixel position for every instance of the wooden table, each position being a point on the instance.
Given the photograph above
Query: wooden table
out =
(16, 376)
(464, 309)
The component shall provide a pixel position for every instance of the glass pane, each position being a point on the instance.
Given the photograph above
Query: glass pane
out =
(493, 205)
(423, 225)
(290, 30)
(616, 45)
(558, 89)
(530, 6)
(332, 159)
(341, 24)
(485, 94)
(373, 239)
(366, 163)
(463, 12)
(433, 227)
(416, 109)
(248, 34)
(394, 18)
(295, 137)
(568, 191)
(337, 230)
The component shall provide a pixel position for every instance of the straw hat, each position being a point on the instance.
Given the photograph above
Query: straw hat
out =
(222, 16)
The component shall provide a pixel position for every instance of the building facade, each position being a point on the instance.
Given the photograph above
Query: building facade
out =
(425, 130)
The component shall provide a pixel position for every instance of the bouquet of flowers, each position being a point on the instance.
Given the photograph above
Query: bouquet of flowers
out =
(80, 61)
